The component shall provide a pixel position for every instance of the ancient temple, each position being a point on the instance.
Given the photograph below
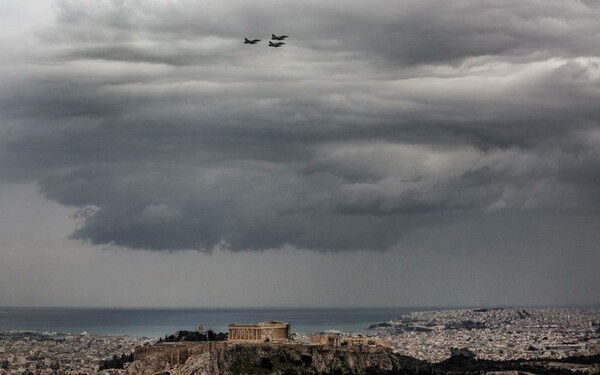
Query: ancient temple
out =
(260, 332)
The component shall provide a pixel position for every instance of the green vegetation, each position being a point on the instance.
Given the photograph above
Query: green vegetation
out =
(116, 362)
(275, 361)
(183, 335)
(465, 365)
(581, 360)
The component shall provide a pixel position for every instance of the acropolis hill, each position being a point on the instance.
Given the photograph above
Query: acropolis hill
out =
(264, 346)
(275, 333)
(289, 358)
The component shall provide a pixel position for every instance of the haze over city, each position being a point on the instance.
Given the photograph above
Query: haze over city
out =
(391, 153)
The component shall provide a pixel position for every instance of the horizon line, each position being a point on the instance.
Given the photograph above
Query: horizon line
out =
(291, 307)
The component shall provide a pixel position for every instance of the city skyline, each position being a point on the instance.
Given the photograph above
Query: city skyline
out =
(413, 153)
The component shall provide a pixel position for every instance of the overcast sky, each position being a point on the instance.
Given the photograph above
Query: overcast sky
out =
(391, 153)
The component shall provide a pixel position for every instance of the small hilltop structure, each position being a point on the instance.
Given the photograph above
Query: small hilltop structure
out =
(340, 340)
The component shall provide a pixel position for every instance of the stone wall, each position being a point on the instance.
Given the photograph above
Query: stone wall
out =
(172, 353)
(176, 353)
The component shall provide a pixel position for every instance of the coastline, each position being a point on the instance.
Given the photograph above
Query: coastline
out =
(485, 339)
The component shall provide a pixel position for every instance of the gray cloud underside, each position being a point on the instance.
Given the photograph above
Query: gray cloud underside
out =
(372, 121)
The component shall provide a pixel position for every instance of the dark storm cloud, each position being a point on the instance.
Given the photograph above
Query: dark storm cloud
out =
(252, 206)
(406, 31)
(373, 119)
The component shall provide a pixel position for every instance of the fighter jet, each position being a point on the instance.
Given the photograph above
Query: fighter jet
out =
(275, 37)
(253, 41)
(276, 44)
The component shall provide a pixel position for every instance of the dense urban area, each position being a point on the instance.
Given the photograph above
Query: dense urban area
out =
(494, 334)
(27, 352)
(497, 334)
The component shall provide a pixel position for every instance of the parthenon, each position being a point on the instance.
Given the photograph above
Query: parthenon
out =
(264, 331)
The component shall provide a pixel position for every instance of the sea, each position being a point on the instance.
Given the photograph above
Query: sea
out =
(159, 322)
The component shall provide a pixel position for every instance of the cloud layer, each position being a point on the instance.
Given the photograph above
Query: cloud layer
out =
(373, 120)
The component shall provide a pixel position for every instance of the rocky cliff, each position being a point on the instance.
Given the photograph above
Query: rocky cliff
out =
(284, 360)
(267, 359)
